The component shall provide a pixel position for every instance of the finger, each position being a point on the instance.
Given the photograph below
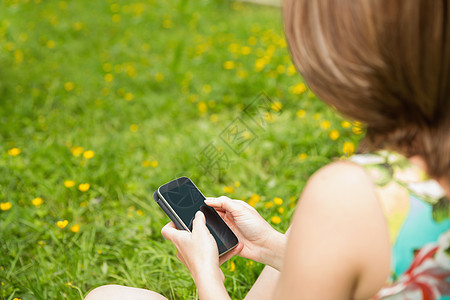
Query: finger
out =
(223, 202)
(169, 231)
(199, 222)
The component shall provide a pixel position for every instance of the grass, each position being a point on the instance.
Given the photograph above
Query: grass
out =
(146, 86)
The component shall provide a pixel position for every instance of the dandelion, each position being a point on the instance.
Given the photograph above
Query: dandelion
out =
(325, 124)
(140, 212)
(88, 154)
(277, 201)
(254, 199)
(129, 96)
(301, 113)
(346, 124)
(316, 116)
(237, 184)
(334, 134)
(202, 107)
(228, 189)
(77, 26)
(76, 150)
(275, 220)
(302, 156)
(246, 50)
(232, 266)
(146, 163)
(83, 204)
(252, 41)
(298, 89)
(348, 148)
(268, 204)
(75, 228)
(242, 74)
(99, 251)
(5, 206)
(134, 128)
(154, 164)
(281, 210)
(62, 224)
(214, 118)
(228, 65)
(109, 77)
(269, 117)
(277, 106)
(233, 48)
(83, 187)
(206, 89)
(357, 128)
(167, 23)
(69, 183)
(69, 86)
(116, 18)
(14, 151)
(50, 44)
(159, 77)
(260, 64)
(291, 70)
(37, 201)
(18, 56)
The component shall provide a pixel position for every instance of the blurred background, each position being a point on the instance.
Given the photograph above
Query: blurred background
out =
(104, 101)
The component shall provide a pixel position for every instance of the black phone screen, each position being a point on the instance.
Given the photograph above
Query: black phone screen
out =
(185, 199)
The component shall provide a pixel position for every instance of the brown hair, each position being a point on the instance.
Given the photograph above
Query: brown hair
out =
(385, 63)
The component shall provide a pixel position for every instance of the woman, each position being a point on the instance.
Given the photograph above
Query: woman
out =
(372, 226)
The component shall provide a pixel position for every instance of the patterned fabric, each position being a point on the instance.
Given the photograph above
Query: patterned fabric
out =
(418, 216)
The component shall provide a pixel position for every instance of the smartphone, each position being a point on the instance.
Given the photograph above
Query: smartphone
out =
(180, 199)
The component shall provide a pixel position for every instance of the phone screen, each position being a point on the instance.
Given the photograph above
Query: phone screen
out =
(185, 199)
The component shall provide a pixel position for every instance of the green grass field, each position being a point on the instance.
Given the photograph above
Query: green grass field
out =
(103, 101)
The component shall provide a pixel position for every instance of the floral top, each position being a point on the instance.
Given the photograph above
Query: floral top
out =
(418, 216)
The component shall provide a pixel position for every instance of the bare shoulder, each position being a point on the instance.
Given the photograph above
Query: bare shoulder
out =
(338, 247)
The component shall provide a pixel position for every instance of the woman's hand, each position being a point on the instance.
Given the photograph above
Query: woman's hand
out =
(260, 242)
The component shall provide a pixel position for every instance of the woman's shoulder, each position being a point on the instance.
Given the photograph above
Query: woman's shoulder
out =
(342, 224)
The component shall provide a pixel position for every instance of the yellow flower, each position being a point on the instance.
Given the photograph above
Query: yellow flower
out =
(146, 163)
(202, 107)
(316, 116)
(159, 77)
(254, 199)
(275, 220)
(69, 86)
(154, 164)
(75, 228)
(334, 134)
(348, 148)
(281, 210)
(17, 299)
(77, 150)
(83, 187)
(83, 204)
(357, 128)
(291, 70)
(5, 206)
(129, 96)
(88, 154)
(301, 113)
(246, 50)
(134, 128)
(228, 65)
(302, 156)
(14, 151)
(233, 48)
(206, 89)
(214, 118)
(77, 26)
(50, 44)
(232, 266)
(298, 89)
(228, 189)
(268, 204)
(109, 77)
(116, 18)
(140, 212)
(325, 124)
(62, 224)
(69, 183)
(277, 106)
(37, 201)
(346, 124)
(260, 64)
(277, 201)
(237, 184)
(281, 69)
